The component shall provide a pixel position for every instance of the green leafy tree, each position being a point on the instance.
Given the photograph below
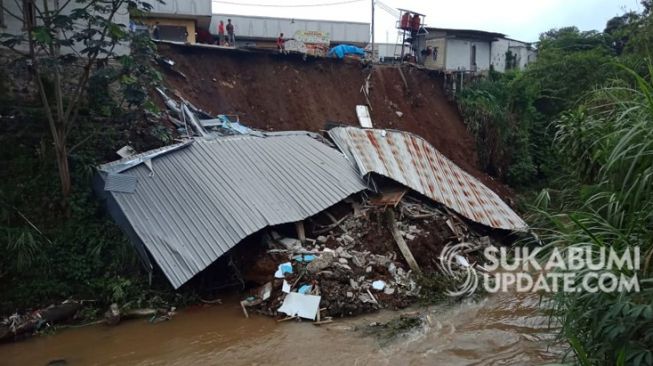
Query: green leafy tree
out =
(620, 29)
(65, 35)
(648, 5)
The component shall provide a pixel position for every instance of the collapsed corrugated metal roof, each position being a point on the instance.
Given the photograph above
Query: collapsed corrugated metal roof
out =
(193, 202)
(410, 160)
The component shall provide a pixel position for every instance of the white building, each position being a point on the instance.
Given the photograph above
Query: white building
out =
(522, 54)
(257, 29)
(474, 50)
(28, 10)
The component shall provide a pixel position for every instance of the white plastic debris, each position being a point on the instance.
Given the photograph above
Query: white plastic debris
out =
(378, 285)
(462, 260)
(304, 306)
(283, 269)
(266, 291)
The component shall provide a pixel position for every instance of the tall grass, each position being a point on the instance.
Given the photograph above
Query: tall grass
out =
(606, 145)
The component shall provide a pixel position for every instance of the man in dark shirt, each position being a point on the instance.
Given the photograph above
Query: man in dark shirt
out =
(230, 34)
(156, 33)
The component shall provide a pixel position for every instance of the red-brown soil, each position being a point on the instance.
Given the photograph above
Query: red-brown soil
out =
(283, 92)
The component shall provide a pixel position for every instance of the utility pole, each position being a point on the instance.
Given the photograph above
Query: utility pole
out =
(372, 31)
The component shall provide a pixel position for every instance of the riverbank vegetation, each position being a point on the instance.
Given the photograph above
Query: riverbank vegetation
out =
(56, 241)
(577, 127)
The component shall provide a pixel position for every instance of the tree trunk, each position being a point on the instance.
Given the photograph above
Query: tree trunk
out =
(64, 170)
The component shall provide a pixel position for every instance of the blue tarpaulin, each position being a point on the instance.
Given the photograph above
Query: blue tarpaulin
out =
(345, 49)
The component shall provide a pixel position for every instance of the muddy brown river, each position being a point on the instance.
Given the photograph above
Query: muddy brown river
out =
(504, 329)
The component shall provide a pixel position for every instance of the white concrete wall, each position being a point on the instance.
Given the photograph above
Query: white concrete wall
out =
(269, 28)
(499, 49)
(532, 55)
(14, 26)
(525, 55)
(482, 55)
(522, 56)
(458, 54)
(387, 50)
(436, 60)
(181, 7)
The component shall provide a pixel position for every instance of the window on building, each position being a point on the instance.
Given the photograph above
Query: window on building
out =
(29, 14)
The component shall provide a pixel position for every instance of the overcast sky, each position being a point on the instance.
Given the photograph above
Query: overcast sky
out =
(520, 19)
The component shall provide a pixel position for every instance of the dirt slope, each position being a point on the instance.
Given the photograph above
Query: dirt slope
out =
(283, 92)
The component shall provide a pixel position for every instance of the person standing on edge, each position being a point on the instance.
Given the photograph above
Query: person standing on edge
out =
(156, 32)
(230, 33)
(281, 44)
(221, 33)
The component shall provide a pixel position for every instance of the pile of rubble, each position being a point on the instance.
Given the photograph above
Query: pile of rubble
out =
(192, 121)
(353, 265)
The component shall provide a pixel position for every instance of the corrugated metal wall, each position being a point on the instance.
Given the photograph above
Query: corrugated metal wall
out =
(410, 160)
(199, 201)
(269, 28)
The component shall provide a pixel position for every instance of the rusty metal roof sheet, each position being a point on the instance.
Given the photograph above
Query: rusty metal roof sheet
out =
(195, 201)
(411, 161)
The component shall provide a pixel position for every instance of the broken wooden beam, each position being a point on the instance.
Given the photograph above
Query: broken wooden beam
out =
(301, 233)
(403, 247)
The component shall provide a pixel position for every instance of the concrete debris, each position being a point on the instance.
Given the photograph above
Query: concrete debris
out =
(347, 239)
(291, 243)
(353, 284)
(322, 262)
(358, 266)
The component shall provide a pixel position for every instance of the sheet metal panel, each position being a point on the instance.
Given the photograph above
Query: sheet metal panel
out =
(201, 200)
(410, 160)
(120, 183)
